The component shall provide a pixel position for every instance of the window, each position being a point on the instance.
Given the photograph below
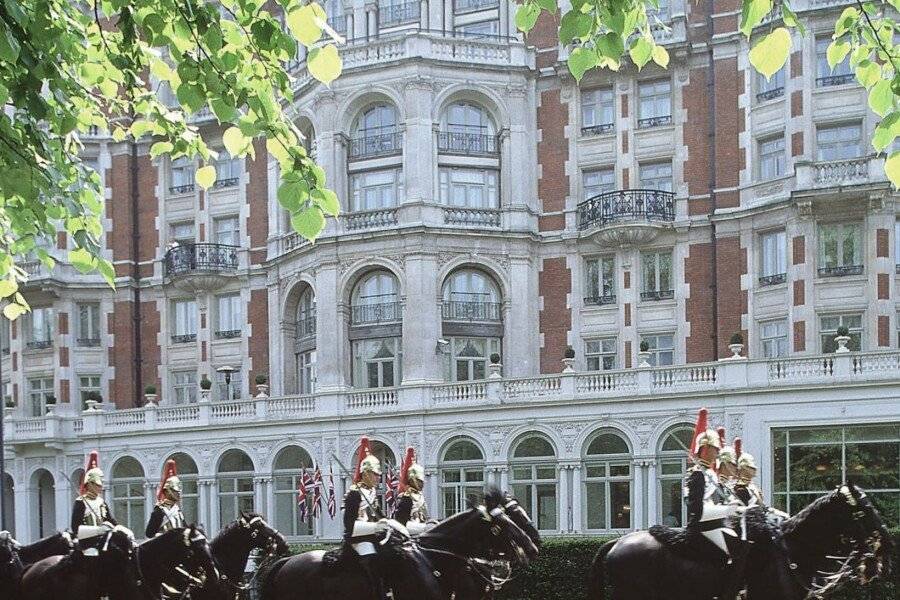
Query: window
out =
(464, 6)
(375, 300)
(598, 112)
(828, 330)
(598, 182)
(467, 128)
(40, 390)
(290, 463)
(600, 280)
(38, 328)
(810, 462)
(88, 385)
(229, 316)
(469, 188)
(88, 324)
(184, 387)
(656, 176)
(397, 12)
(607, 483)
(601, 354)
(232, 389)
(672, 459)
(187, 473)
(840, 249)
(185, 325)
(4, 335)
(183, 233)
(376, 363)
(768, 89)
(839, 142)
(825, 76)
(181, 178)
(481, 29)
(228, 170)
(771, 158)
(227, 231)
(468, 357)
(657, 275)
(374, 190)
(533, 480)
(235, 478)
(774, 338)
(306, 315)
(306, 372)
(654, 103)
(127, 482)
(773, 262)
(470, 295)
(661, 348)
(461, 476)
(375, 133)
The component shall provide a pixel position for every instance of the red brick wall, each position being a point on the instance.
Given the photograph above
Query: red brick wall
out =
(729, 124)
(258, 198)
(731, 263)
(796, 64)
(884, 331)
(258, 316)
(627, 354)
(65, 390)
(696, 138)
(555, 320)
(63, 356)
(627, 315)
(884, 283)
(698, 308)
(151, 354)
(799, 336)
(797, 143)
(799, 293)
(881, 243)
(553, 152)
(799, 250)
(797, 103)
(121, 385)
(63, 323)
(118, 238)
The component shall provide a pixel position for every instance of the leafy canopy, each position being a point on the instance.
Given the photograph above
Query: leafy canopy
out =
(67, 67)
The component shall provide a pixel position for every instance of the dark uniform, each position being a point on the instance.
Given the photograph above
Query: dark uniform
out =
(165, 516)
(411, 508)
(92, 512)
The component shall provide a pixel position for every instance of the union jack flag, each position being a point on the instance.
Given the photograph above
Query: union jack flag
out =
(332, 501)
(302, 493)
(317, 493)
(390, 495)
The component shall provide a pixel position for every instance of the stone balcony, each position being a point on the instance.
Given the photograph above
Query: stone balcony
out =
(725, 377)
(626, 217)
(200, 266)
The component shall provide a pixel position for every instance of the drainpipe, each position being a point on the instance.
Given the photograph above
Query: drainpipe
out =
(711, 125)
(135, 276)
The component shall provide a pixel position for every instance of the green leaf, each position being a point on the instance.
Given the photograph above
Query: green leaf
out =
(9, 47)
(327, 201)
(660, 56)
(580, 61)
(641, 51)
(548, 5)
(610, 45)
(302, 23)
(527, 16)
(292, 194)
(13, 311)
(574, 25)
(886, 131)
(846, 21)
(771, 52)
(8, 287)
(106, 269)
(752, 13)
(837, 52)
(324, 63)
(235, 142)
(868, 73)
(160, 148)
(82, 260)
(892, 169)
(205, 176)
(881, 98)
(309, 222)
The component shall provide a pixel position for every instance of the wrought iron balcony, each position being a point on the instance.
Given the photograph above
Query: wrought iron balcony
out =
(90, 342)
(374, 145)
(770, 94)
(658, 295)
(187, 188)
(189, 258)
(626, 206)
(470, 144)
(226, 183)
(831, 80)
(600, 300)
(457, 310)
(227, 334)
(654, 121)
(184, 338)
(598, 129)
(773, 279)
(39, 344)
(464, 6)
(399, 14)
(373, 314)
(840, 271)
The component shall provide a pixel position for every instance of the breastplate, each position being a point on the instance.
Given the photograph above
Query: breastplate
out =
(172, 517)
(367, 506)
(94, 511)
(419, 509)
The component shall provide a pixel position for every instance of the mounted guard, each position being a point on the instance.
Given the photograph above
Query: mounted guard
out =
(728, 470)
(412, 510)
(167, 513)
(91, 517)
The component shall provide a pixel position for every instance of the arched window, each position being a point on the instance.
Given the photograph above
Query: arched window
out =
(9, 505)
(461, 475)
(672, 461)
(466, 117)
(387, 458)
(127, 481)
(188, 474)
(44, 503)
(607, 482)
(534, 480)
(470, 297)
(375, 132)
(376, 353)
(287, 473)
(235, 479)
(305, 342)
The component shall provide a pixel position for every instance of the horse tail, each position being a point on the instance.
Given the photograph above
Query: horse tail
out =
(266, 575)
(596, 575)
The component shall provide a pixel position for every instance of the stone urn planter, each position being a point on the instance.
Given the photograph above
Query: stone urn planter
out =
(495, 367)
(842, 341)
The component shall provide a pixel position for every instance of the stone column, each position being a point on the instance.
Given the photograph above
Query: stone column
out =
(204, 508)
(638, 493)
(418, 139)
(562, 498)
(432, 491)
(504, 17)
(330, 344)
(650, 493)
(521, 345)
(371, 19)
(421, 362)
(149, 503)
(577, 508)
(504, 479)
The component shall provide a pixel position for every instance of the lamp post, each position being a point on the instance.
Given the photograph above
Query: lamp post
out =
(227, 370)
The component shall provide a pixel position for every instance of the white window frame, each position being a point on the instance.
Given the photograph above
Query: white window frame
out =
(233, 390)
(184, 387)
(773, 337)
(463, 478)
(828, 333)
(184, 318)
(306, 371)
(181, 175)
(769, 89)
(653, 176)
(824, 73)
(772, 157)
(844, 147)
(453, 180)
(40, 325)
(361, 363)
(531, 484)
(178, 232)
(602, 354)
(660, 356)
(600, 280)
(470, 367)
(39, 389)
(229, 315)
(598, 181)
(598, 110)
(228, 169)
(388, 192)
(773, 257)
(88, 383)
(88, 323)
(653, 260)
(841, 231)
(608, 462)
(654, 102)
(227, 230)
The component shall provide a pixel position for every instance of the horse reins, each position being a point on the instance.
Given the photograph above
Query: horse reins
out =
(492, 584)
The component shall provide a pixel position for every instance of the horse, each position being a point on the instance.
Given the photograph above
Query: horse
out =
(468, 553)
(640, 567)
(122, 571)
(231, 549)
(408, 570)
(11, 566)
(14, 558)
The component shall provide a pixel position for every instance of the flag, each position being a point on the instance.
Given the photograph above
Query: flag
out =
(302, 493)
(332, 501)
(317, 493)
(390, 495)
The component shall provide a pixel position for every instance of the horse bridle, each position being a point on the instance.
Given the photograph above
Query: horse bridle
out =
(476, 565)
(271, 547)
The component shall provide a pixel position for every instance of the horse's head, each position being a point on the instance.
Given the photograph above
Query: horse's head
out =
(262, 535)
(10, 564)
(520, 517)
(868, 533)
(507, 533)
(197, 555)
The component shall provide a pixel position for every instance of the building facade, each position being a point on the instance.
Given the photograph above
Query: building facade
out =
(492, 208)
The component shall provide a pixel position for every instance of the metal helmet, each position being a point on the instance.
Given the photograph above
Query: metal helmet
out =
(746, 461)
(728, 455)
(417, 472)
(94, 475)
(173, 484)
(370, 464)
(709, 437)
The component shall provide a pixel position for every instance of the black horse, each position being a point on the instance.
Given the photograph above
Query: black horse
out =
(782, 564)
(14, 558)
(122, 571)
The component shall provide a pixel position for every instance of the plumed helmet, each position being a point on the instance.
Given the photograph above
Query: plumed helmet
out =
(721, 431)
(707, 438)
(94, 475)
(728, 455)
(746, 461)
(417, 472)
(169, 481)
(738, 447)
(370, 464)
(92, 472)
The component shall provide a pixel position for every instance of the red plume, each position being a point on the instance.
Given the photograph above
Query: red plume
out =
(721, 431)
(364, 451)
(408, 460)
(738, 446)
(699, 428)
(169, 470)
(92, 463)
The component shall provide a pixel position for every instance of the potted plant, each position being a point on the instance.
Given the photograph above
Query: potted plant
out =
(262, 387)
(736, 344)
(91, 400)
(495, 366)
(50, 402)
(150, 394)
(9, 405)
(644, 354)
(569, 360)
(205, 387)
(842, 338)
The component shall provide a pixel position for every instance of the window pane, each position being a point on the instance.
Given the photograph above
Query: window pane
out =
(595, 498)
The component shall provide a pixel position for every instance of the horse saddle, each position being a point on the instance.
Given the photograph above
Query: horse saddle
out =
(685, 543)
